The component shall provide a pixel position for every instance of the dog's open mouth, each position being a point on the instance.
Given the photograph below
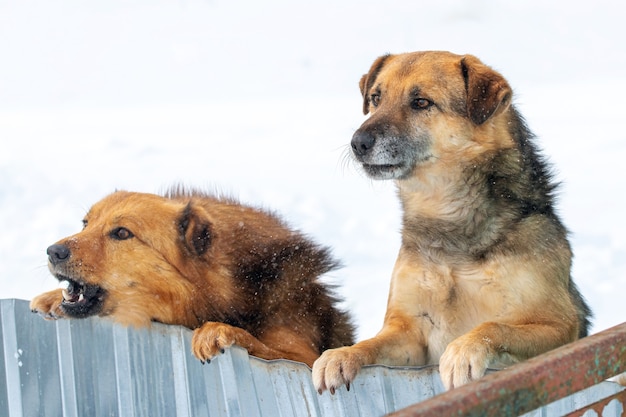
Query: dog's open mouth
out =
(81, 299)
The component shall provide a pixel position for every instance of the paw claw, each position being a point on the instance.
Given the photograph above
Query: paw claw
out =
(213, 338)
(336, 367)
(463, 361)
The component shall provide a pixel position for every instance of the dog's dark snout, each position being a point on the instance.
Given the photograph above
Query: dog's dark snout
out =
(362, 142)
(58, 253)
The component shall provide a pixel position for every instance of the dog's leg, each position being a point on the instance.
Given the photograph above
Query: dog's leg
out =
(213, 337)
(48, 304)
(399, 342)
(467, 357)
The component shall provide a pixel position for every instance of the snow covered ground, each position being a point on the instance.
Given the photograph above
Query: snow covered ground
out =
(259, 99)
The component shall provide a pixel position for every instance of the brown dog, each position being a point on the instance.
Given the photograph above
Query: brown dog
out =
(483, 274)
(236, 274)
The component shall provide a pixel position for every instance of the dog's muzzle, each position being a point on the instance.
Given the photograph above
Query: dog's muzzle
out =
(382, 157)
(80, 299)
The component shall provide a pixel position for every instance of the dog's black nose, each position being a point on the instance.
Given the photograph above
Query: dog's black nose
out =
(362, 142)
(58, 254)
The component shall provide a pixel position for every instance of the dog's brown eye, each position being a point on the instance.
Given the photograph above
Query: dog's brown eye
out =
(375, 99)
(121, 233)
(420, 103)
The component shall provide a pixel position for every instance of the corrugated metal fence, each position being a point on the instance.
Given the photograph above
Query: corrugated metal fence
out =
(93, 367)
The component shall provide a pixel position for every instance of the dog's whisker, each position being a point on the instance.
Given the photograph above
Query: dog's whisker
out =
(346, 158)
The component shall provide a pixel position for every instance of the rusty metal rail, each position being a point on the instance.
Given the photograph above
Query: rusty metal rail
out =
(536, 382)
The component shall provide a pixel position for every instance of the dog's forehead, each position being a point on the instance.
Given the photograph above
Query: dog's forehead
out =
(124, 204)
(422, 70)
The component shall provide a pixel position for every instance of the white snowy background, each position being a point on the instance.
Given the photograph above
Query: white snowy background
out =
(259, 99)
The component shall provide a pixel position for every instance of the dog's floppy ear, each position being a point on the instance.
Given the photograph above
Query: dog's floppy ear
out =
(488, 93)
(195, 230)
(367, 81)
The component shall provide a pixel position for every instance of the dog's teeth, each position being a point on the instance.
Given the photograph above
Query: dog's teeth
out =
(81, 297)
(66, 295)
(65, 284)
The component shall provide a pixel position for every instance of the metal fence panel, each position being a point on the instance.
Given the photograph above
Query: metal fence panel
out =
(92, 367)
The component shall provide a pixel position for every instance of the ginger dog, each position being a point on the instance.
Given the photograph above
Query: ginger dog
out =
(236, 274)
(482, 278)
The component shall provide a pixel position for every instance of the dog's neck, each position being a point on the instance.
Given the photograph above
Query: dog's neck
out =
(437, 191)
(452, 211)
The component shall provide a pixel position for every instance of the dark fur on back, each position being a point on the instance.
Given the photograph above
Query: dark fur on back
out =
(277, 272)
(530, 191)
(537, 198)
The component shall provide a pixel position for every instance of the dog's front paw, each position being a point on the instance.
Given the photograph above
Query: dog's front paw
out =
(48, 305)
(212, 338)
(464, 360)
(336, 367)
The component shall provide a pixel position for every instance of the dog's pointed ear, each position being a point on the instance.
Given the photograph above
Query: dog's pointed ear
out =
(367, 81)
(194, 230)
(488, 93)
